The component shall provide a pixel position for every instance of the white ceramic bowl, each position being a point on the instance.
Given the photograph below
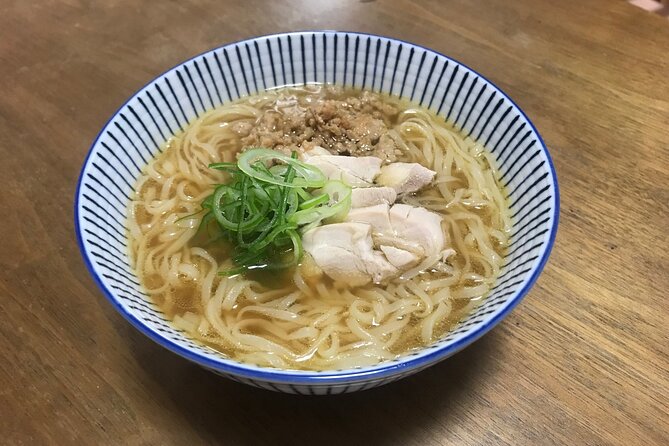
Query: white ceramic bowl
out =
(167, 104)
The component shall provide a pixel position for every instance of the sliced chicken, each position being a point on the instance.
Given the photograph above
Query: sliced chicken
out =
(409, 228)
(377, 216)
(399, 258)
(354, 171)
(418, 225)
(344, 251)
(370, 196)
(405, 177)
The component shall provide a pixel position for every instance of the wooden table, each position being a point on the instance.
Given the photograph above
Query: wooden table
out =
(583, 360)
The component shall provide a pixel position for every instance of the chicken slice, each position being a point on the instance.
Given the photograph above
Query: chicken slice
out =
(344, 252)
(354, 171)
(405, 177)
(377, 216)
(399, 258)
(409, 228)
(418, 225)
(370, 196)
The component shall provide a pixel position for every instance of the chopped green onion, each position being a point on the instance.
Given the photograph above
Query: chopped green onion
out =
(269, 199)
(339, 203)
(319, 199)
(305, 175)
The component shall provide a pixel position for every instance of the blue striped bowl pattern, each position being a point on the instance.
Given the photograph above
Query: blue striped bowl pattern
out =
(167, 104)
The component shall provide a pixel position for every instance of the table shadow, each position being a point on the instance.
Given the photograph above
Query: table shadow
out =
(394, 413)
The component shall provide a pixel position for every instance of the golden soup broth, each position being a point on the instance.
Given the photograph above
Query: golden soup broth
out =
(281, 319)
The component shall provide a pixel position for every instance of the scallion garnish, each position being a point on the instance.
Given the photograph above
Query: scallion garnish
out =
(270, 198)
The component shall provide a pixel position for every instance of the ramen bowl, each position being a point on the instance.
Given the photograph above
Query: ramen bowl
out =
(463, 97)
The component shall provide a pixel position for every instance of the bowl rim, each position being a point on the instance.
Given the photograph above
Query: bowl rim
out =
(291, 376)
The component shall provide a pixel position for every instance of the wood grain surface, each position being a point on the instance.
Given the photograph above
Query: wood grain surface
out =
(584, 358)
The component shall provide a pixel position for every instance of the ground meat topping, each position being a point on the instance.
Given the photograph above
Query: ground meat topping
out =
(348, 125)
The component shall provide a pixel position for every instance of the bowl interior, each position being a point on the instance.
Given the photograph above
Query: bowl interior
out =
(166, 105)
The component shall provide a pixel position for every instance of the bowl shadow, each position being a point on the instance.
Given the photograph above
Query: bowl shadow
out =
(221, 410)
